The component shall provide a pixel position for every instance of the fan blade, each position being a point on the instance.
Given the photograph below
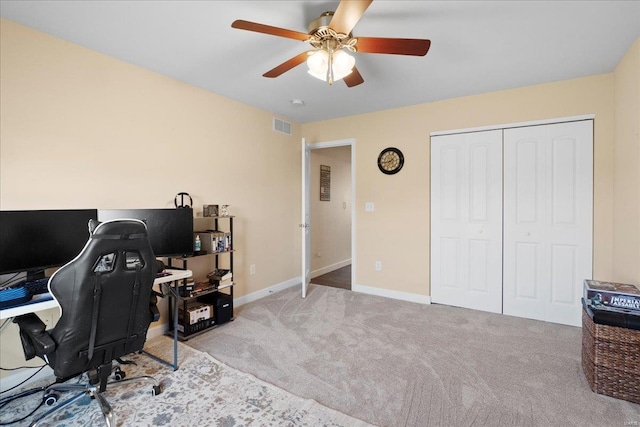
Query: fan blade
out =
(267, 29)
(353, 79)
(347, 15)
(287, 65)
(416, 47)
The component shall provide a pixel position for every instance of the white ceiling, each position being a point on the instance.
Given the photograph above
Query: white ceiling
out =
(477, 46)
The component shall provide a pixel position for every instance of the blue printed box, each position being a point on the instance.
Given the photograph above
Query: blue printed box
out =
(614, 296)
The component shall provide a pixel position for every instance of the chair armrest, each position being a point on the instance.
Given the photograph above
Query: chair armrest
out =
(155, 312)
(153, 307)
(35, 339)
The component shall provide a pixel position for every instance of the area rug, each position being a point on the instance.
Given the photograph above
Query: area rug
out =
(202, 392)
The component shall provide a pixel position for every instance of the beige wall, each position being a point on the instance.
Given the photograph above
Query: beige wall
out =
(626, 213)
(80, 129)
(397, 232)
(331, 220)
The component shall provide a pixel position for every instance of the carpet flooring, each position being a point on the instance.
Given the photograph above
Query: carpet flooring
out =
(394, 363)
(202, 392)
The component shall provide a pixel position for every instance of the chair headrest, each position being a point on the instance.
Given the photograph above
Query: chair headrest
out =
(119, 228)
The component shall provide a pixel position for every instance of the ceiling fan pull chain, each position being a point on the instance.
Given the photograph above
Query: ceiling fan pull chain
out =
(330, 68)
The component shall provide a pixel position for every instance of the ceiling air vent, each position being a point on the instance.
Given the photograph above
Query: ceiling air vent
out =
(281, 126)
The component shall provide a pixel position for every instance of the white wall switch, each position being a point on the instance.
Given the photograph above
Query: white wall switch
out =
(368, 207)
(378, 265)
(252, 269)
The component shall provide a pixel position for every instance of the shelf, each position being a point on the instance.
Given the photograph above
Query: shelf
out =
(221, 298)
(186, 257)
(183, 337)
(208, 291)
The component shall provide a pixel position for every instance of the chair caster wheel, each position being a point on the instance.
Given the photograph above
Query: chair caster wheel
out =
(119, 375)
(51, 398)
(156, 390)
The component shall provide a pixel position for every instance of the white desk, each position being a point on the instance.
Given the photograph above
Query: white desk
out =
(44, 302)
(171, 283)
(38, 303)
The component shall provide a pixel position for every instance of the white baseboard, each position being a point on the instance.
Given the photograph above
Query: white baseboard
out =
(21, 375)
(404, 296)
(254, 296)
(330, 268)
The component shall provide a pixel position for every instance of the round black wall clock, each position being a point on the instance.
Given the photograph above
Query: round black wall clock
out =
(390, 160)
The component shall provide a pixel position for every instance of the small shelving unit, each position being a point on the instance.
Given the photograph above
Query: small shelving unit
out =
(214, 305)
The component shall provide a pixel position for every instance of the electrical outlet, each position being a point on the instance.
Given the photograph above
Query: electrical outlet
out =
(252, 269)
(378, 265)
(368, 207)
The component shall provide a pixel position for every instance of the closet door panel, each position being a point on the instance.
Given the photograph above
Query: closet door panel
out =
(548, 202)
(570, 217)
(466, 208)
(524, 272)
(447, 243)
(527, 185)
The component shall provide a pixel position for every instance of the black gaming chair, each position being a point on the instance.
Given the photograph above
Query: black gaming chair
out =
(107, 303)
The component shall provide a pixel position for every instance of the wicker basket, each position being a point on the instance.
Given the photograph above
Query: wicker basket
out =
(611, 359)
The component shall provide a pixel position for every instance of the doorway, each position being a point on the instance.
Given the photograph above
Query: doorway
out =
(330, 190)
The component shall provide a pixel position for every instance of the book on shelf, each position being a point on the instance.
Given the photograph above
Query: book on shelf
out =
(202, 288)
(220, 274)
(214, 241)
(223, 285)
(612, 296)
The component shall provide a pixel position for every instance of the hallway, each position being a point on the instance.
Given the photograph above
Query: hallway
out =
(340, 278)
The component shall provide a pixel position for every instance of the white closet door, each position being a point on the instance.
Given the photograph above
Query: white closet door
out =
(548, 205)
(466, 220)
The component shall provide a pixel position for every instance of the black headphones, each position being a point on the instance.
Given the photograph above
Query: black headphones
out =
(182, 205)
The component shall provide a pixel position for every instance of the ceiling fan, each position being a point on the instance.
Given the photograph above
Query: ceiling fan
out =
(330, 35)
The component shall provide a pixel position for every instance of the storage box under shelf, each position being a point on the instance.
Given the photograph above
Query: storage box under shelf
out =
(610, 358)
(186, 330)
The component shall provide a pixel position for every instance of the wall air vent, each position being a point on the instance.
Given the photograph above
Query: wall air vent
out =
(281, 126)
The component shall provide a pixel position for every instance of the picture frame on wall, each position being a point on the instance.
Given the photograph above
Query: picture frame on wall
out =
(325, 183)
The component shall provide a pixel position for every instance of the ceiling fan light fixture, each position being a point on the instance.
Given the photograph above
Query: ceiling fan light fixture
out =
(318, 63)
(341, 65)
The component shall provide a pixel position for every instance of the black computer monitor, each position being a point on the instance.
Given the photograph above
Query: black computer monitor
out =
(170, 230)
(32, 241)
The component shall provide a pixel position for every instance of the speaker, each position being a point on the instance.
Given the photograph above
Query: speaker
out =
(223, 308)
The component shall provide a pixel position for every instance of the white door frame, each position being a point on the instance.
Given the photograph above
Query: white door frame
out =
(306, 256)
(306, 214)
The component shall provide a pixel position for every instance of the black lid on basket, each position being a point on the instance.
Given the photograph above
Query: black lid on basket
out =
(610, 317)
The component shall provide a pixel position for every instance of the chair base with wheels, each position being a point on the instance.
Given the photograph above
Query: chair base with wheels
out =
(93, 388)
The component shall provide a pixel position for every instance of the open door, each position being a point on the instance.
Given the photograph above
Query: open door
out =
(305, 225)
